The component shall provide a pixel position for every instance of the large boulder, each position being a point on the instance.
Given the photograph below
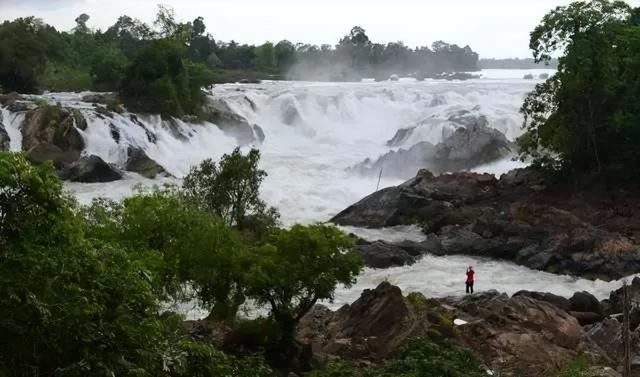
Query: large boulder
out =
(380, 254)
(218, 112)
(469, 146)
(585, 302)
(49, 133)
(91, 169)
(371, 328)
(520, 333)
(139, 162)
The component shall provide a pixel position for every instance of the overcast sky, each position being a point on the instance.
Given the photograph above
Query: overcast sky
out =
(494, 28)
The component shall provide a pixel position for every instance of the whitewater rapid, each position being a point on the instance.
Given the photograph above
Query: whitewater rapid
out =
(313, 132)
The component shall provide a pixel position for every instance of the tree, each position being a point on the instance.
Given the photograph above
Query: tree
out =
(26, 46)
(285, 53)
(582, 119)
(265, 57)
(231, 190)
(81, 24)
(298, 267)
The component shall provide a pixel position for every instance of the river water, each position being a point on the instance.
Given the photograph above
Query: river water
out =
(313, 133)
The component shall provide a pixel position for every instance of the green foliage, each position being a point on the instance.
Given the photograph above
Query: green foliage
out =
(420, 358)
(298, 267)
(231, 190)
(584, 119)
(26, 46)
(576, 368)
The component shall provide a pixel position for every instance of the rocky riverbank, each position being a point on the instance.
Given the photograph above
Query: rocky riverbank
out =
(518, 217)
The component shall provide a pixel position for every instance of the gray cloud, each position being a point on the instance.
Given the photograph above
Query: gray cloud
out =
(40, 4)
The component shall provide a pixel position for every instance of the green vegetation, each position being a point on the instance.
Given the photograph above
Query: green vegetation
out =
(84, 289)
(162, 68)
(584, 120)
(420, 358)
(577, 368)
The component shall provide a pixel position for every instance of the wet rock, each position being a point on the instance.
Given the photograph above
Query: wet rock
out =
(259, 133)
(218, 112)
(585, 302)
(16, 103)
(80, 121)
(586, 318)
(49, 133)
(600, 371)
(290, 113)
(91, 169)
(528, 76)
(383, 255)
(438, 100)
(102, 98)
(400, 136)
(371, 328)
(510, 219)
(543, 76)
(467, 147)
(115, 134)
(139, 162)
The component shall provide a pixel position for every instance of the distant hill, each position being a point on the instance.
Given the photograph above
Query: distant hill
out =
(515, 63)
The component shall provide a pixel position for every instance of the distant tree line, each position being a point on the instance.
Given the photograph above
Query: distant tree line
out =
(516, 63)
(164, 65)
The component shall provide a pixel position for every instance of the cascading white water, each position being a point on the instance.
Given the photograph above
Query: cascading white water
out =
(313, 132)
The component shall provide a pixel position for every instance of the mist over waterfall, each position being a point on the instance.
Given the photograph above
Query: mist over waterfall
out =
(311, 135)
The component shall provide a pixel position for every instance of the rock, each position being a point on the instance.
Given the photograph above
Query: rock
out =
(105, 98)
(383, 255)
(586, 318)
(79, 121)
(400, 136)
(49, 133)
(16, 103)
(218, 112)
(476, 214)
(259, 133)
(438, 100)
(290, 113)
(600, 371)
(91, 169)
(394, 77)
(519, 333)
(585, 302)
(528, 76)
(555, 300)
(543, 76)
(466, 148)
(372, 328)
(608, 336)
(139, 162)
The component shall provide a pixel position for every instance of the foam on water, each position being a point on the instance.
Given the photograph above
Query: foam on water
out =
(314, 131)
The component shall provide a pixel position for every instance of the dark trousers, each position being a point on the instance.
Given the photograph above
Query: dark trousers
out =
(469, 287)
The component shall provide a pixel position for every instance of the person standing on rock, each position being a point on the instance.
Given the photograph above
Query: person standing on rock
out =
(470, 279)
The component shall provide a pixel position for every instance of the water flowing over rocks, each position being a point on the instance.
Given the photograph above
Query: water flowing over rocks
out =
(4, 137)
(91, 169)
(49, 133)
(471, 145)
(515, 218)
(218, 112)
(139, 162)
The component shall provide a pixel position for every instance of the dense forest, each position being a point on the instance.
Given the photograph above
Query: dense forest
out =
(163, 66)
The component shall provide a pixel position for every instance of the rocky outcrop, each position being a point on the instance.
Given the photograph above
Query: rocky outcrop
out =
(218, 112)
(16, 103)
(515, 217)
(521, 335)
(91, 169)
(371, 328)
(381, 254)
(139, 162)
(49, 133)
(517, 335)
(469, 146)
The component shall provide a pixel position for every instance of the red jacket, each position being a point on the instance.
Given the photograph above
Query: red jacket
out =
(470, 274)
